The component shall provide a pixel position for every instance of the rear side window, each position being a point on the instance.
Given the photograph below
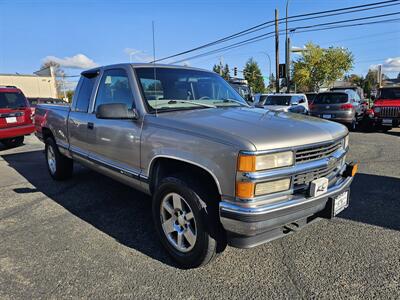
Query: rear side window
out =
(331, 98)
(85, 92)
(278, 100)
(12, 100)
(114, 88)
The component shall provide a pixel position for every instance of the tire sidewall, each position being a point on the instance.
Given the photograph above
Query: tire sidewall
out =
(193, 258)
(50, 143)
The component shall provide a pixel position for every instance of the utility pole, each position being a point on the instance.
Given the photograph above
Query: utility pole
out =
(288, 66)
(379, 74)
(65, 94)
(287, 51)
(276, 52)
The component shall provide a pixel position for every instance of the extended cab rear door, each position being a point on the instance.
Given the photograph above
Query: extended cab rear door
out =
(78, 117)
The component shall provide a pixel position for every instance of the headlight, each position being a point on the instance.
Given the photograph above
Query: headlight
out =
(377, 109)
(270, 187)
(346, 142)
(246, 190)
(252, 163)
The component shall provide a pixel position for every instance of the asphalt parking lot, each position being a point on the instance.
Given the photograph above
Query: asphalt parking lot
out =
(91, 237)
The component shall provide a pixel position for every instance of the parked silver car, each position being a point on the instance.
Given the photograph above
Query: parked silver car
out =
(343, 106)
(296, 103)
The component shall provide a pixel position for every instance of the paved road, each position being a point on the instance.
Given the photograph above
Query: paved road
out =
(93, 237)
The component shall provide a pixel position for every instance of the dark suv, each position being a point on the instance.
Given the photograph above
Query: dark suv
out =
(343, 106)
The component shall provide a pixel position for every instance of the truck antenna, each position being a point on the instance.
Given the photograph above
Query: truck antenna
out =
(154, 66)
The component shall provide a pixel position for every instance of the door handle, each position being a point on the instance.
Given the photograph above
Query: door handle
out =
(90, 125)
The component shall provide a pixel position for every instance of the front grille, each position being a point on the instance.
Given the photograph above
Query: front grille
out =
(307, 177)
(317, 152)
(390, 112)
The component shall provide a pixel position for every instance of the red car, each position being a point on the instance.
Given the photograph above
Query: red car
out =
(15, 116)
(387, 108)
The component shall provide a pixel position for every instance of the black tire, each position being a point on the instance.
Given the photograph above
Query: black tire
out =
(63, 166)
(209, 241)
(13, 142)
(353, 125)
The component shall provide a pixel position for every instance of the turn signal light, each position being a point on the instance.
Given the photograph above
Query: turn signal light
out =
(246, 163)
(354, 170)
(351, 170)
(244, 190)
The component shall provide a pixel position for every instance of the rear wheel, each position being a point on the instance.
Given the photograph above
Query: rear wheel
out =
(186, 225)
(60, 167)
(13, 142)
(353, 125)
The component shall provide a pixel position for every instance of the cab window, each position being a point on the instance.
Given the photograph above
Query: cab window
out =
(85, 91)
(114, 88)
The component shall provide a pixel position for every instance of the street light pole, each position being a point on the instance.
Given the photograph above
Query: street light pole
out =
(287, 54)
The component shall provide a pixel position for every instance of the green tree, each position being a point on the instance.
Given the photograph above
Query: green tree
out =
(223, 71)
(355, 80)
(271, 85)
(70, 95)
(320, 67)
(252, 74)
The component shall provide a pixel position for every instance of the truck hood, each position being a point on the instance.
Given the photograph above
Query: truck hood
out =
(264, 129)
(387, 102)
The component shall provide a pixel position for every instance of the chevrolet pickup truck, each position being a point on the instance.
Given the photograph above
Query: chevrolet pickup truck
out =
(219, 171)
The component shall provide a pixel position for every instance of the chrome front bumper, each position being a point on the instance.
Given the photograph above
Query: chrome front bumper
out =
(251, 226)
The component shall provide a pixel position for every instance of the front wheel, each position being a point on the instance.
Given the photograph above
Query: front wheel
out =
(183, 224)
(60, 167)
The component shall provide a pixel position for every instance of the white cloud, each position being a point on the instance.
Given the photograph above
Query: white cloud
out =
(136, 55)
(78, 61)
(390, 65)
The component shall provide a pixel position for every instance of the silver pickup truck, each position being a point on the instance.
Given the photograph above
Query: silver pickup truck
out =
(219, 171)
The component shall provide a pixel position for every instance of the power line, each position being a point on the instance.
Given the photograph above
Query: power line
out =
(270, 23)
(308, 18)
(294, 30)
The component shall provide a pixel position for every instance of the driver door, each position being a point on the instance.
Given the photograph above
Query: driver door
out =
(115, 143)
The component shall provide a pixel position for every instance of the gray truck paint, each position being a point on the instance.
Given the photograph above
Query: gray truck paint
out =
(210, 138)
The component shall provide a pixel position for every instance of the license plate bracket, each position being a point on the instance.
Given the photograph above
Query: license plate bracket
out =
(387, 121)
(11, 120)
(332, 208)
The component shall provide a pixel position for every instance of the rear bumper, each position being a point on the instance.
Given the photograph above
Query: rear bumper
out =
(250, 226)
(16, 131)
(337, 116)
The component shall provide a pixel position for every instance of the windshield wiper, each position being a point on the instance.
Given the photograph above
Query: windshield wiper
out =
(230, 100)
(191, 102)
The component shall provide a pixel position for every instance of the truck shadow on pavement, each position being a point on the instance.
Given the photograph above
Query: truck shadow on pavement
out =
(125, 214)
(116, 209)
(374, 200)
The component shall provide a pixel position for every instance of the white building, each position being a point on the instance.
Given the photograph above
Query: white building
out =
(41, 84)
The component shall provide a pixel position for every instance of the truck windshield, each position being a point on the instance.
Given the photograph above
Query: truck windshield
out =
(176, 89)
(389, 93)
(278, 100)
(331, 98)
(12, 100)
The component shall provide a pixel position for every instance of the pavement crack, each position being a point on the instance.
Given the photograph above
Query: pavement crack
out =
(293, 278)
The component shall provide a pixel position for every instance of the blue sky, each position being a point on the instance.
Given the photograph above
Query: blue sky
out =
(106, 31)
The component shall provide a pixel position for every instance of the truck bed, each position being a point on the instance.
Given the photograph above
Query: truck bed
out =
(55, 117)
